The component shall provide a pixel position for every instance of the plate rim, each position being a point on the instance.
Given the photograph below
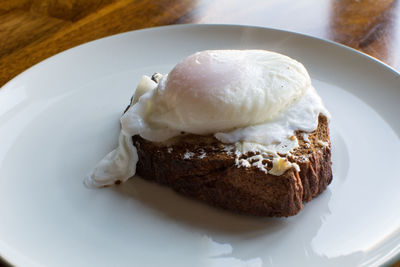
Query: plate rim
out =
(177, 26)
(183, 27)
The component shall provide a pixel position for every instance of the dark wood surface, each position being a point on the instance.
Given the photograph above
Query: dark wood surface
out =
(32, 30)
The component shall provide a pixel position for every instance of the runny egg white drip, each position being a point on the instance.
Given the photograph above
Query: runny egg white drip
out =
(254, 99)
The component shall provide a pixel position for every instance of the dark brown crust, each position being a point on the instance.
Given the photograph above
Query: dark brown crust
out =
(316, 174)
(215, 179)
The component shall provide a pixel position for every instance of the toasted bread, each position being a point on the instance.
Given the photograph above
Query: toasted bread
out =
(204, 168)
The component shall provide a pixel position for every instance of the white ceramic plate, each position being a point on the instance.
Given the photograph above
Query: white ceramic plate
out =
(60, 117)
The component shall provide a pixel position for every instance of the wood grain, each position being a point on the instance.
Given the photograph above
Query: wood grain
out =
(368, 28)
(33, 30)
(59, 35)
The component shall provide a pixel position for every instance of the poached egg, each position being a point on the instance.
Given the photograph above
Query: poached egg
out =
(254, 99)
(217, 91)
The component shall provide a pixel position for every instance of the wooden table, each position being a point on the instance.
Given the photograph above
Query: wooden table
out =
(32, 30)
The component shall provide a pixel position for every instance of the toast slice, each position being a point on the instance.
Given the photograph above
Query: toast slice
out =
(204, 168)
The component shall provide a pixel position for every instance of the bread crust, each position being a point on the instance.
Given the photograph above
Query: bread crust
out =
(203, 168)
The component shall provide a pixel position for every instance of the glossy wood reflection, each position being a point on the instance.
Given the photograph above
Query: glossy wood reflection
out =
(33, 30)
(370, 28)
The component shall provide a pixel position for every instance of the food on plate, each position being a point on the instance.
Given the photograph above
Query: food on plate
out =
(239, 129)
